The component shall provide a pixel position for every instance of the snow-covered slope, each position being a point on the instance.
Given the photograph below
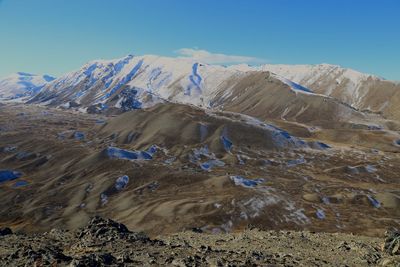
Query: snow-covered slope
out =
(22, 84)
(345, 84)
(309, 74)
(136, 82)
(362, 91)
(143, 81)
(326, 79)
(359, 90)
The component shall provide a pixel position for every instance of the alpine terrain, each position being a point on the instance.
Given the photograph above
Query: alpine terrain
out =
(202, 158)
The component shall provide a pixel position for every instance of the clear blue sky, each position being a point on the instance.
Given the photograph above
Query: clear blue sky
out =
(56, 36)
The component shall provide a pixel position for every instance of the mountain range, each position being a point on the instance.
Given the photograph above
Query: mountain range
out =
(300, 93)
(169, 144)
(22, 85)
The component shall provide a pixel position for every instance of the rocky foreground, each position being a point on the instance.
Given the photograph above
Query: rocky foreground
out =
(106, 242)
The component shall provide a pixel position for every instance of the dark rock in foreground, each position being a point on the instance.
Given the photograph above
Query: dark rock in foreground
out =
(104, 242)
(392, 242)
(5, 231)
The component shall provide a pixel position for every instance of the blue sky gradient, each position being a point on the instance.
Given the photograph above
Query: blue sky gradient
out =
(57, 36)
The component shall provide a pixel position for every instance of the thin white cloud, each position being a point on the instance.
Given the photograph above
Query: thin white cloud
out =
(215, 58)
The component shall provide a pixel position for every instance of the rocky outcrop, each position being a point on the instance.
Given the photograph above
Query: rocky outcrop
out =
(5, 231)
(104, 242)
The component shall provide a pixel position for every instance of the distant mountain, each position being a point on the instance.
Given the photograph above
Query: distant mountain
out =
(189, 138)
(307, 92)
(22, 84)
(139, 82)
(362, 91)
(135, 82)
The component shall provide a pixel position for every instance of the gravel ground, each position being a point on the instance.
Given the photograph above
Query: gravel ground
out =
(104, 242)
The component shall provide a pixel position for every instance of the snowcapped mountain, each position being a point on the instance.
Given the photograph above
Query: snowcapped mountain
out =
(22, 84)
(332, 80)
(362, 91)
(141, 81)
(136, 82)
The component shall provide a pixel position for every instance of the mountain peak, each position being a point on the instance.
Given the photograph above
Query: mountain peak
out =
(185, 80)
(22, 84)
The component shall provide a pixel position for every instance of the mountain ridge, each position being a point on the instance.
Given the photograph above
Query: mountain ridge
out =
(22, 84)
(153, 79)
